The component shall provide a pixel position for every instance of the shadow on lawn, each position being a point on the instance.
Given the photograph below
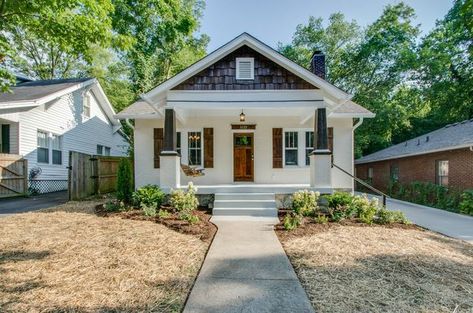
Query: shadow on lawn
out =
(463, 247)
(389, 283)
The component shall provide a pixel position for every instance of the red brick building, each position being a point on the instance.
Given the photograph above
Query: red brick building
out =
(444, 157)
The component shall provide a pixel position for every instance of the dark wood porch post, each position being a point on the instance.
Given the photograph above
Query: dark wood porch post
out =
(170, 134)
(320, 132)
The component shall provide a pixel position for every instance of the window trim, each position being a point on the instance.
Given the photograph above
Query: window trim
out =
(102, 150)
(60, 137)
(48, 148)
(285, 131)
(301, 149)
(252, 68)
(437, 172)
(185, 145)
(391, 172)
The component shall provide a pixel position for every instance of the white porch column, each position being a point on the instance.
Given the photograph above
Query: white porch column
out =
(170, 161)
(321, 157)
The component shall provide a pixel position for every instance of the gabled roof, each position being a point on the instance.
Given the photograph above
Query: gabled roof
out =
(32, 93)
(452, 136)
(258, 46)
(29, 94)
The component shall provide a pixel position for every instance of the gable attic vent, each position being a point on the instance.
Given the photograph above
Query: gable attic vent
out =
(245, 68)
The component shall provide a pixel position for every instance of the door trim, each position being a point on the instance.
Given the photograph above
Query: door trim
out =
(251, 134)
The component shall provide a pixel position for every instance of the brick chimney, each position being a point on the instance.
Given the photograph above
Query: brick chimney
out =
(317, 64)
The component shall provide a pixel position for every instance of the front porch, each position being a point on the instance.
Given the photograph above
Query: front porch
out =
(255, 188)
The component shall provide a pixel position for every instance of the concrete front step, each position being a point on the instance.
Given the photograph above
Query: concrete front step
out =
(244, 196)
(259, 212)
(245, 205)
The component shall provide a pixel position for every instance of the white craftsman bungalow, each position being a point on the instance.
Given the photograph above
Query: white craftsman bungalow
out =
(251, 120)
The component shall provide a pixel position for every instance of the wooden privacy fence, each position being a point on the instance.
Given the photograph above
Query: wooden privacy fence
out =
(91, 174)
(13, 175)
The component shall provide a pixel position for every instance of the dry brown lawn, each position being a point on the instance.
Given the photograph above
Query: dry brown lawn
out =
(379, 269)
(67, 259)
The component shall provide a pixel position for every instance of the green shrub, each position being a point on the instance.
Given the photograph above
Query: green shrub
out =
(164, 214)
(149, 210)
(185, 202)
(426, 193)
(112, 206)
(124, 181)
(388, 217)
(321, 219)
(466, 204)
(292, 221)
(337, 214)
(338, 199)
(365, 209)
(149, 195)
(305, 202)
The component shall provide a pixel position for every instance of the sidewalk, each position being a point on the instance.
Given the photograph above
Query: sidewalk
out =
(247, 270)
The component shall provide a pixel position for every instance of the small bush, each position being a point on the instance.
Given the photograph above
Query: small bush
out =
(305, 202)
(339, 199)
(164, 214)
(111, 206)
(365, 209)
(340, 205)
(149, 210)
(337, 214)
(321, 219)
(292, 221)
(185, 202)
(388, 217)
(124, 181)
(149, 195)
(466, 204)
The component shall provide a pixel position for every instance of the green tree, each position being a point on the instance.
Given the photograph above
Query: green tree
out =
(164, 33)
(49, 38)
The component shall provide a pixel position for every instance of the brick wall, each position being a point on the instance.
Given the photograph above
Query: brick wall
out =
(422, 168)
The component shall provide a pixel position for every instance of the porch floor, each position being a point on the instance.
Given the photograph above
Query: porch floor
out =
(255, 188)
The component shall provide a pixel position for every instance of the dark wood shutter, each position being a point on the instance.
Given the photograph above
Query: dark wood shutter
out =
(5, 147)
(277, 148)
(158, 144)
(330, 139)
(208, 147)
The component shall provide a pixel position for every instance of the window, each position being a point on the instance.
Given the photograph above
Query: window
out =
(107, 151)
(195, 148)
(309, 146)
(442, 172)
(99, 150)
(178, 143)
(394, 172)
(370, 174)
(56, 145)
(103, 150)
(43, 147)
(290, 148)
(86, 105)
(5, 138)
(245, 68)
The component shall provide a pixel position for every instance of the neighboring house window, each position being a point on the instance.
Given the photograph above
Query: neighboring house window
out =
(245, 68)
(56, 146)
(43, 147)
(309, 146)
(370, 174)
(394, 172)
(290, 148)
(442, 172)
(178, 143)
(86, 106)
(5, 138)
(195, 148)
(102, 150)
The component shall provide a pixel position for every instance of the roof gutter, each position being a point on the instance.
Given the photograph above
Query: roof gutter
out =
(358, 124)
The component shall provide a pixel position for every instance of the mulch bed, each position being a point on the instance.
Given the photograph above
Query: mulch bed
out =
(203, 229)
(310, 227)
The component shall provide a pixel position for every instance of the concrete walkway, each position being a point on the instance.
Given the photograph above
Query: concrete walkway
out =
(20, 205)
(447, 223)
(247, 270)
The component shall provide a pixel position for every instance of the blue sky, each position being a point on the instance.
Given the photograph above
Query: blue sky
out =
(276, 20)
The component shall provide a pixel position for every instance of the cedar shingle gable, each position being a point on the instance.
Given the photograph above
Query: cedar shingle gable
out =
(222, 75)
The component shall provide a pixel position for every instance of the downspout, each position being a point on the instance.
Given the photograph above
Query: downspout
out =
(127, 121)
(471, 148)
(358, 124)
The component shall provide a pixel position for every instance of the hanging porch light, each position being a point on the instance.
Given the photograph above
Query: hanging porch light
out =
(242, 116)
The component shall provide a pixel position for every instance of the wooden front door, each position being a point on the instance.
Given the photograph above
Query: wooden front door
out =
(243, 155)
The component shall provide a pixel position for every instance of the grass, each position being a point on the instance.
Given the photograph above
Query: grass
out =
(67, 259)
(381, 269)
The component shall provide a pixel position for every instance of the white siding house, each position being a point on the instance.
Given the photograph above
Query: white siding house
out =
(44, 120)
